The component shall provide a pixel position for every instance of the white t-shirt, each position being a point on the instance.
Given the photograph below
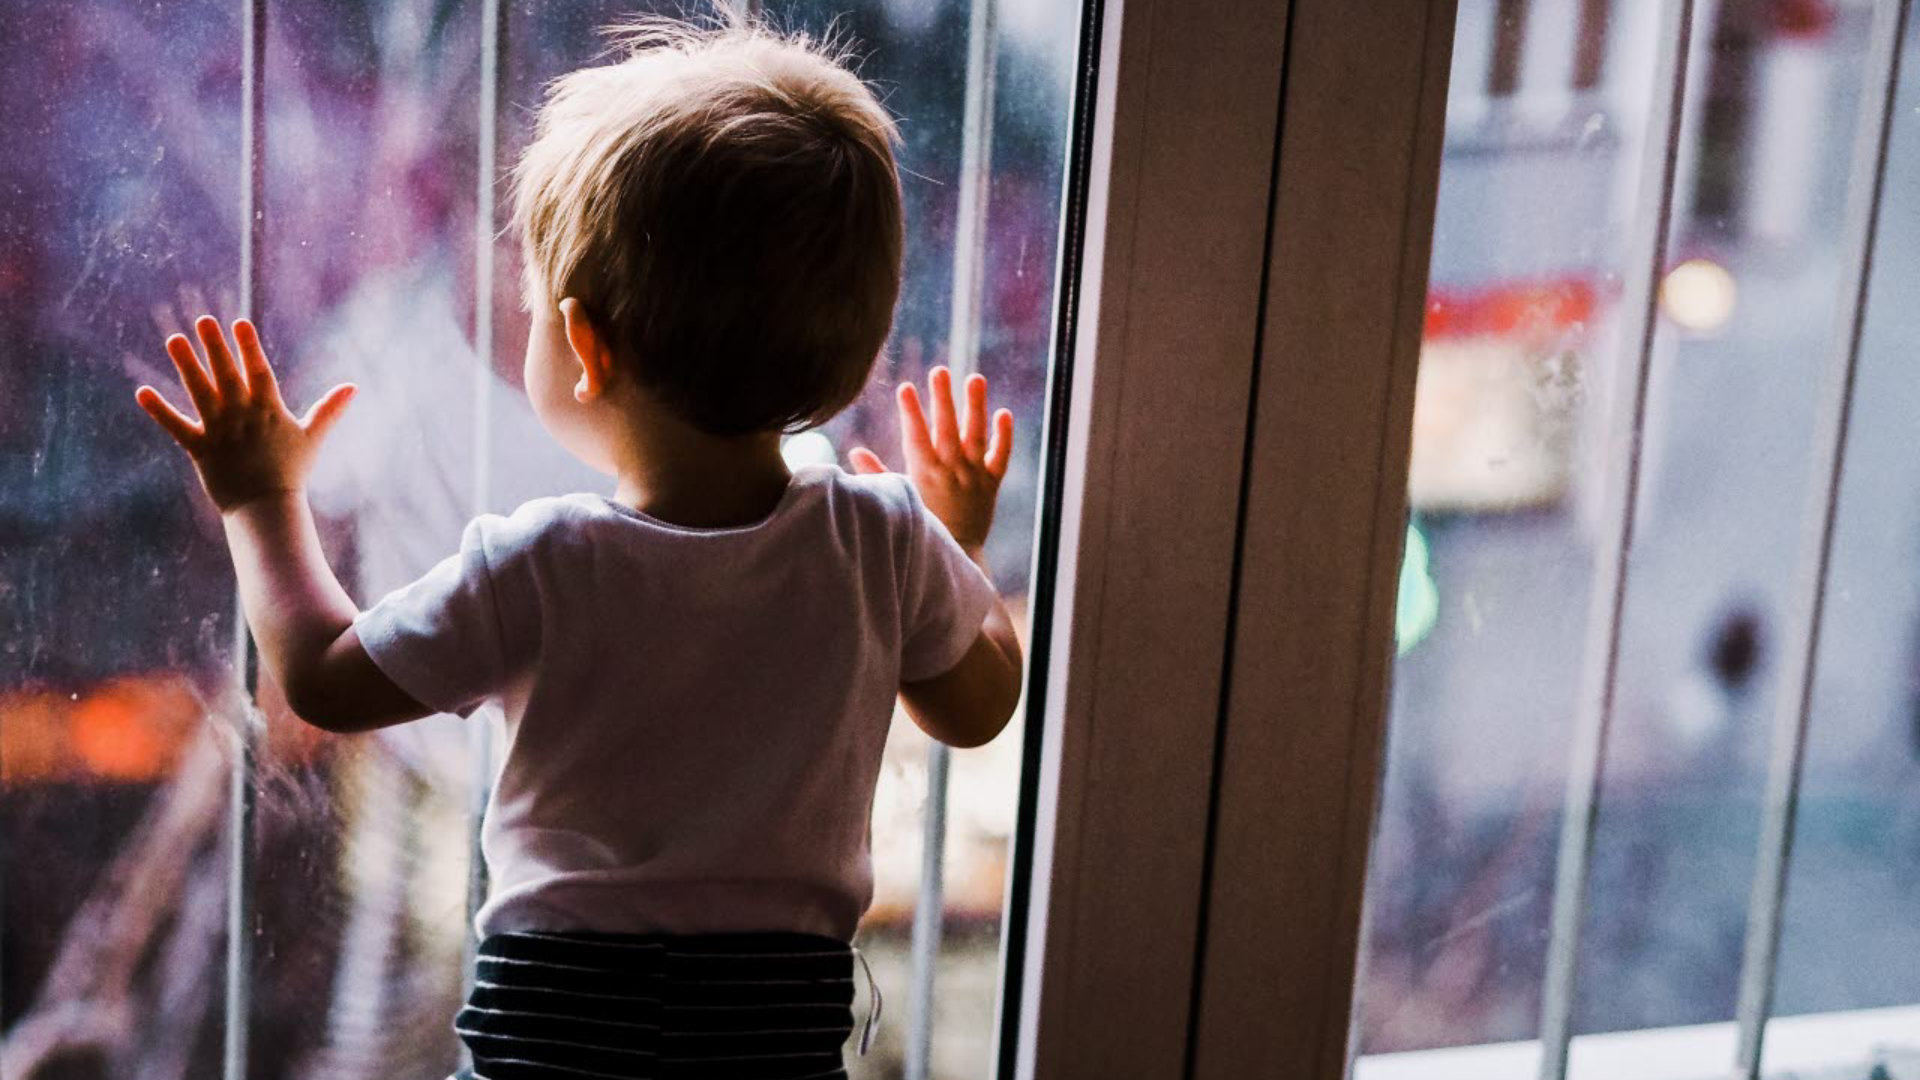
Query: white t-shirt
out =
(692, 719)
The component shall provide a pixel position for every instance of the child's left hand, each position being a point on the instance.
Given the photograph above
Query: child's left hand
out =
(247, 443)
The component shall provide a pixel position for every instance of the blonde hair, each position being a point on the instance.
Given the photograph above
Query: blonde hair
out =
(723, 201)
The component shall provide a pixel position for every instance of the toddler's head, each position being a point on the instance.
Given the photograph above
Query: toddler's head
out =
(723, 204)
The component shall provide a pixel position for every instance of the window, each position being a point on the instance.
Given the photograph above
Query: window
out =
(367, 131)
(1659, 489)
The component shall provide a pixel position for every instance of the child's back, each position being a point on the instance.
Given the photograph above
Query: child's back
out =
(694, 717)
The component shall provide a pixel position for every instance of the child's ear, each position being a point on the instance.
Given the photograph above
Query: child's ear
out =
(589, 348)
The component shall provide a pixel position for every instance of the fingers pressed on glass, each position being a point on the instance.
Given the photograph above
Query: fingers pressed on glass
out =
(946, 427)
(1001, 449)
(865, 460)
(913, 419)
(226, 374)
(193, 377)
(327, 410)
(260, 377)
(172, 420)
(975, 425)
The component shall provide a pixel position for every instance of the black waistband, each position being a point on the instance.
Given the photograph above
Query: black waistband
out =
(758, 1006)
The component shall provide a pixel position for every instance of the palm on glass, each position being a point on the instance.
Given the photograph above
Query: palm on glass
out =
(953, 461)
(246, 442)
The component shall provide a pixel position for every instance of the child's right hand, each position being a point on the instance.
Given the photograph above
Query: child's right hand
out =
(952, 464)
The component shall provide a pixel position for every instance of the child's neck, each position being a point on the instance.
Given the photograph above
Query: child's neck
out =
(675, 472)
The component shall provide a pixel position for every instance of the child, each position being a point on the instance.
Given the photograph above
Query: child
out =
(695, 675)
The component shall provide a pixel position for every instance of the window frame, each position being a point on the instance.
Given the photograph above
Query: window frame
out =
(1230, 240)
(1304, 730)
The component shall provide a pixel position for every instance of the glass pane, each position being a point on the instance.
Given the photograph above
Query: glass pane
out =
(119, 220)
(1526, 371)
(1848, 989)
(1521, 352)
(117, 708)
(1731, 418)
(361, 857)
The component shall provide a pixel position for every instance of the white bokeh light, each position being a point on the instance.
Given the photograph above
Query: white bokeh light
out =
(1700, 295)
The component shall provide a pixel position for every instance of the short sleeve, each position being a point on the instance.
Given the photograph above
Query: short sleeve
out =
(945, 598)
(440, 638)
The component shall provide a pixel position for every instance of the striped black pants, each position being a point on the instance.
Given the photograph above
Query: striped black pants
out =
(765, 1006)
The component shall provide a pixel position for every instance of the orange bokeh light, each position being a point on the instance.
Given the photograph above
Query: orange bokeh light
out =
(133, 728)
